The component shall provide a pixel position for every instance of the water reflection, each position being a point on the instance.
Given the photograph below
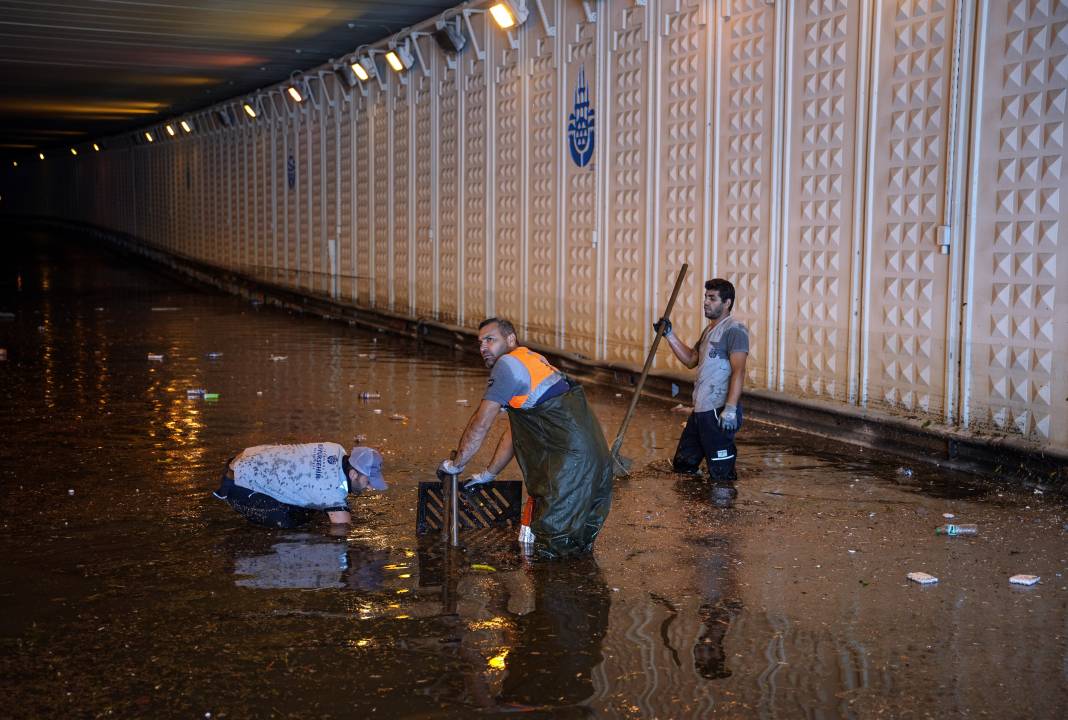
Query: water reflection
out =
(311, 562)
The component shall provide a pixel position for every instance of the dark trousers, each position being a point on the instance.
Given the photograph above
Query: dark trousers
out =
(704, 439)
(258, 508)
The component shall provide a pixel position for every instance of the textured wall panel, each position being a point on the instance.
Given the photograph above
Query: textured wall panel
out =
(580, 288)
(316, 281)
(401, 262)
(425, 242)
(628, 182)
(744, 202)
(294, 182)
(345, 240)
(1019, 302)
(474, 240)
(909, 277)
(684, 117)
(382, 181)
(546, 153)
(819, 175)
(364, 200)
(449, 212)
(331, 173)
(507, 210)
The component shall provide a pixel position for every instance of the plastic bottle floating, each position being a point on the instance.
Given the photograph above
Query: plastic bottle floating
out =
(958, 529)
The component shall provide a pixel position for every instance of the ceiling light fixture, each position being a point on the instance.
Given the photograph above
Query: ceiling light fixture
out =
(186, 127)
(364, 68)
(40, 155)
(148, 136)
(400, 58)
(508, 14)
(293, 93)
(170, 130)
(96, 148)
(249, 110)
(73, 151)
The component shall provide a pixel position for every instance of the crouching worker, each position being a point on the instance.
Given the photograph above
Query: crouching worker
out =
(553, 435)
(284, 486)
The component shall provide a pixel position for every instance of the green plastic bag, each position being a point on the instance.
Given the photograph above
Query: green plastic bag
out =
(567, 468)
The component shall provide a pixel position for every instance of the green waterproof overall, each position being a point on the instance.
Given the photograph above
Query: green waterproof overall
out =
(567, 468)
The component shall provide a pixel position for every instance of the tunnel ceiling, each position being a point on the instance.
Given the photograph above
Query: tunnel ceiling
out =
(75, 70)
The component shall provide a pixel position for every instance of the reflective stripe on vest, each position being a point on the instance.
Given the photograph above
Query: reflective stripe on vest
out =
(539, 368)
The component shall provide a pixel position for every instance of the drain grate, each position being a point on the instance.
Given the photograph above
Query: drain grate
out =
(494, 504)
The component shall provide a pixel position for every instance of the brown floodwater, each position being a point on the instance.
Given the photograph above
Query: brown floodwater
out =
(128, 591)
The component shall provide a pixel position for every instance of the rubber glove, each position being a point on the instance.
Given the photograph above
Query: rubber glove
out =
(666, 323)
(446, 468)
(479, 478)
(728, 419)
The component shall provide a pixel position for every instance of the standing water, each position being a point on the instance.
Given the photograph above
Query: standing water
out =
(129, 591)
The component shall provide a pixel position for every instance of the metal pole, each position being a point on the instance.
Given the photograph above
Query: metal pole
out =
(454, 511)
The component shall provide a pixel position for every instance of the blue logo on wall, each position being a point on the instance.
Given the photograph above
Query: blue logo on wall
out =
(580, 135)
(291, 172)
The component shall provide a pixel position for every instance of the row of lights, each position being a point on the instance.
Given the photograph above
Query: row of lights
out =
(508, 14)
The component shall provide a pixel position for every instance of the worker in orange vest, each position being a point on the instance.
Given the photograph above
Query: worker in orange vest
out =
(554, 437)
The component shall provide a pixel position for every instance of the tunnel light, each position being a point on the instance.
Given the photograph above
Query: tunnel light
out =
(250, 111)
(400, 58)
(294, 93)
(507, 14)
(186, 127)
(96, 148)
(364, 69)
(40, 155)
(14, 163)
(170, 130)
(73, 151)
(148, 136)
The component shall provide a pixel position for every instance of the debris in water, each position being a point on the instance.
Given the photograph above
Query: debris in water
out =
(904, 472)
(948, 516)
(195, 392)
(681, 409)
(211, 396)
(1038, 492)
(276, 358)
(483, 568)
(7, 316)
(369, 395)
(619, 394)
(362, 355)
(259, 392)
(378, 411)
(360, 438)
(959, 529)
(71, 491)
(1021, 579)
(155, 357)
(462, 401)
(165, 309)
(398, 416)
(922, 578)
(214, 355)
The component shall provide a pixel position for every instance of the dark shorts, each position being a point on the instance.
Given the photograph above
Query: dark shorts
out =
(704, 439)
(262, 509)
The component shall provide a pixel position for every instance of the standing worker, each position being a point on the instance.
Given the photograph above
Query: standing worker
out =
(719, 357)
(555, 438)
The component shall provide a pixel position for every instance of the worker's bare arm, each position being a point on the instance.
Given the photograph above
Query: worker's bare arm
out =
(475, 432)
(504, 452)
(687, 355)
(734, 390)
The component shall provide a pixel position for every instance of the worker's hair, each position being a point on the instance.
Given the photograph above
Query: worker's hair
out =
(725, 289)
(506, 327)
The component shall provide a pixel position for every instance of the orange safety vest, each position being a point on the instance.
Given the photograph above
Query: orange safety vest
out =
(539, 368)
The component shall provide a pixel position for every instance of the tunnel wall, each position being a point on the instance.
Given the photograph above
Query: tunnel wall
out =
(821, 154)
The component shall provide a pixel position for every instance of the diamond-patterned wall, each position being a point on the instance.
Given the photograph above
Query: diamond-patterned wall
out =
(819, 176)
(909, 282)
(809, 151)
(508, 227)
(627, 238)
(545, 156)
(684, 118)
(580, 291)
(1019, 308)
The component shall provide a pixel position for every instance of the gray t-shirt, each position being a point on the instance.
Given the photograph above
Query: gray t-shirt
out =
(713, 364)
(307, 475)
(510, 377)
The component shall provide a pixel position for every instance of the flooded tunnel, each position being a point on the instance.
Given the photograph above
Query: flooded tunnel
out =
(129, 590)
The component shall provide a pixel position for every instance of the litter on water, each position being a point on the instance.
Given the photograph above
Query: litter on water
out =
(483, 568)
(370, 396)
(276, 358)
(155, 357)
(681, 409)
(922, 578)
(211, 396)
(214, 355)
(398, 416)
(195, 392)
(378, 411)
(462, 401)
(1024, 579)
(165, 309)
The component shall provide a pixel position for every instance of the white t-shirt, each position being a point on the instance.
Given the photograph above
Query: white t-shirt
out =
(714, 367)
(307, 475)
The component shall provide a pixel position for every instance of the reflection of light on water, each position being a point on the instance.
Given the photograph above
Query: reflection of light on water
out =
(364, 642)
(497, 623)
(405, 575)
(403, 617)
(497, 662)
(396, 566)
(402, 591)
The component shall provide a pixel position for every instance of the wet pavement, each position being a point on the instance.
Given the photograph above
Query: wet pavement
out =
(128, 591)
